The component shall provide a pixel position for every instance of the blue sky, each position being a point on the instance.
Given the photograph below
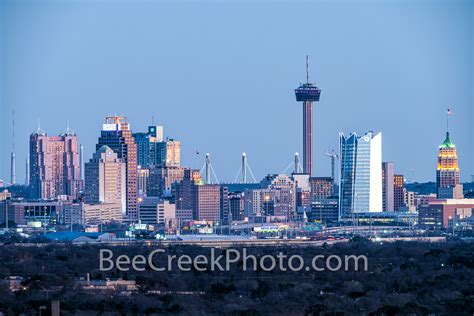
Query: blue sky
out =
(220, 76)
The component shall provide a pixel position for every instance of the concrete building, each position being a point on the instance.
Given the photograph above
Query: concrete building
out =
(275, 197)
(324, 210)
(360, 188)
(54, 165)
(206, 202)
(184, 189)
(447, 173)
(153, 210)
(169, 153)
(224, 205)
(94, 214)
(105, 179)
(143, 175)
(5, 195)
(388, 173)
(410, 202)
(252, 202)
(321, 187)
(161, 180)
(33, 213)
(236, 206)
(91, 214)
(398, 192)
(117, 135)
(440, 214)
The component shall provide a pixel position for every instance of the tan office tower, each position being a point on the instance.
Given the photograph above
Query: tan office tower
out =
(54, 165)
(106, 179)
(117, 135)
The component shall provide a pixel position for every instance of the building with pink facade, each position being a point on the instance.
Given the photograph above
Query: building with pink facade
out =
(54, 165)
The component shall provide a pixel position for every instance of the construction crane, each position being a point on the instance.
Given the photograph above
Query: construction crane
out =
(333, 157)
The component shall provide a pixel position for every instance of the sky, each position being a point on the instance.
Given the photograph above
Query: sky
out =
(220, 77)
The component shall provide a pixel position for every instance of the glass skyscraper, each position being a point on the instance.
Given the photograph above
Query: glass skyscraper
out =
(360, 188)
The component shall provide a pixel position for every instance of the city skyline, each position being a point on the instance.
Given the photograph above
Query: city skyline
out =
(234, 114)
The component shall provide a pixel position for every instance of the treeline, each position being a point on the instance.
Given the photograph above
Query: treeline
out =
(403, 278)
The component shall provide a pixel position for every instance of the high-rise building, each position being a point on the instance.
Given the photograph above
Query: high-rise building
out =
(162, 179)
(307, 93)
(185, 187)
(143, 175)
(360, 188)
(168, 153)
(324, 210)
(54, 165)
(117, 135)
(143, 148)
(398, 192)
(156, 133)
(224, 207)
(236, 206)
(147, 145)
(410, 200)
(206, 202)
(388, 171)
(447, 174)
(105, 179)
(321, 187)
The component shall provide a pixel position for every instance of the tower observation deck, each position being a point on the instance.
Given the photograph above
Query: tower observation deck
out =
(307, 93)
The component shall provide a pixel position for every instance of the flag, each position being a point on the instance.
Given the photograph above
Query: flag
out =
(450, 112)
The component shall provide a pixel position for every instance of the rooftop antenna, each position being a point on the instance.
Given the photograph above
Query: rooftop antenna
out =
(68, 131)
(152, 119)
(307, 69)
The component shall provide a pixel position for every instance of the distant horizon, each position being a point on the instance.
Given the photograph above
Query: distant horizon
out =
(226, 87)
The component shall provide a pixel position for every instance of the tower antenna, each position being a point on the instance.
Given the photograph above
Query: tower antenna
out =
(307, 69)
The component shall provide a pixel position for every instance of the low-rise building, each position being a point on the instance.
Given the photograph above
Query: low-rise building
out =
(91, 214)
(439, 214)
(153, 210)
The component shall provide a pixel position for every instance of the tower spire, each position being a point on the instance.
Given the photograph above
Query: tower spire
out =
(39, 131)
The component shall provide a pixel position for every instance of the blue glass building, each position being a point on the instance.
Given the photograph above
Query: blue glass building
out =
(360, 188)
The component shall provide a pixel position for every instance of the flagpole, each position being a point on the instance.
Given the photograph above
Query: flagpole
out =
(447, 121)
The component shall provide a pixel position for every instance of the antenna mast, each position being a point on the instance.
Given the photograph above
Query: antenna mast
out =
(307, 69)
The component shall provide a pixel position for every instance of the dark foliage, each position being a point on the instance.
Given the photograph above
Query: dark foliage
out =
(403, 278)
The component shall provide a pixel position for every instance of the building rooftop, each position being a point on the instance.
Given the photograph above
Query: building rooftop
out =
(447, 142)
